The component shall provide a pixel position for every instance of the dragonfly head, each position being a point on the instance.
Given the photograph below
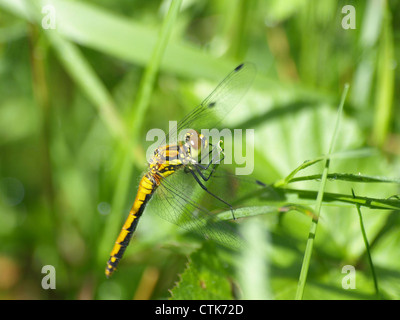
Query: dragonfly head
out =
(195, 143)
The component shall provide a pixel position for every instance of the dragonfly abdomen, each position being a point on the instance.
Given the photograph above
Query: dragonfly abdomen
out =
(148, 184)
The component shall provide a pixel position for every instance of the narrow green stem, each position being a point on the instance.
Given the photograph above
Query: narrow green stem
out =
(313, 229)
(367, 248)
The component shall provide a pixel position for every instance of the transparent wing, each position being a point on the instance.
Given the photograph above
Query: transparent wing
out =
(176, 200)
(218, 104)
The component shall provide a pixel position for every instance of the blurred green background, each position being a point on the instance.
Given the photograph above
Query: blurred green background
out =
(76, 103)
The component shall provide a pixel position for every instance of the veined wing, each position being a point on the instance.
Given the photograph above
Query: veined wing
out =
(218, 104)
(176, 200)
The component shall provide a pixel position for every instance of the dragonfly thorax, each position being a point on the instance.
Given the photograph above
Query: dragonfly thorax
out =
(184, 153)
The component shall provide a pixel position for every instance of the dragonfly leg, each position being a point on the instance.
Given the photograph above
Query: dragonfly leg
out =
(200, 167)
(215, 164)
(215, 156)
(210, 193)
(202, 175)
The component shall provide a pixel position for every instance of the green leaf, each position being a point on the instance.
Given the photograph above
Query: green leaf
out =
(205, 277)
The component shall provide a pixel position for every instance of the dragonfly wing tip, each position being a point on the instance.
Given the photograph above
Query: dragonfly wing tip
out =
(240, 66)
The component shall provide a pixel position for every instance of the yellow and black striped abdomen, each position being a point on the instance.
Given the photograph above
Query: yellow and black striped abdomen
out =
(148, 184)
(165, 162)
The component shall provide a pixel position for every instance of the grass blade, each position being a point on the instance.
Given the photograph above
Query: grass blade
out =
(386, 79)
(367, 249)
(391, 203)
(348, 177)
(314, 223)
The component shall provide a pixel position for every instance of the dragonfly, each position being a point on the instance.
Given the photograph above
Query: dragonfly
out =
(177, 166)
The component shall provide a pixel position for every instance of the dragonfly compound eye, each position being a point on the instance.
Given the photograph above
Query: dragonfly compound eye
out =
(194, 139)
